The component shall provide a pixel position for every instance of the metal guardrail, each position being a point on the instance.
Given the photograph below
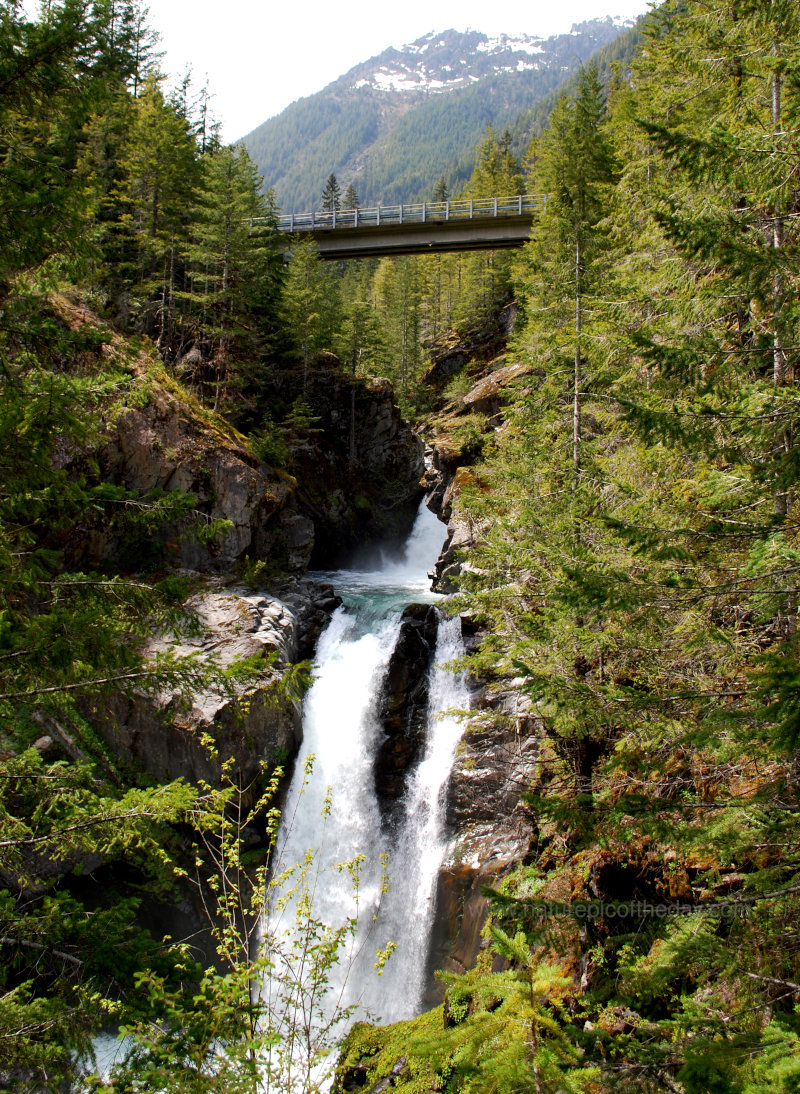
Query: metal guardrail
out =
(426, 212)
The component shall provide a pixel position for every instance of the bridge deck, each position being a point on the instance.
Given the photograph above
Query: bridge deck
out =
(423, 228)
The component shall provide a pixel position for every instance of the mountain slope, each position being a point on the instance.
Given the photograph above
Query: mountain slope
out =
(396, 123)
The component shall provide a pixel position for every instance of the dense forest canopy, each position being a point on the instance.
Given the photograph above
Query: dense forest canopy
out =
(632, 573)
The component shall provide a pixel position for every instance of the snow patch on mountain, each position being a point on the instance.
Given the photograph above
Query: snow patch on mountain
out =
(507, 43)
(446, 60)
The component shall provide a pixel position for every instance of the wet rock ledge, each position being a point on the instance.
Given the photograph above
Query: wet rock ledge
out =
(403, 705)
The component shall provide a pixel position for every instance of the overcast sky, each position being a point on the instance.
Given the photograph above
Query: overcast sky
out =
(258, 57)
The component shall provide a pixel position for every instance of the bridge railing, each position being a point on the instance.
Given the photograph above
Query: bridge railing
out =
(426, 212)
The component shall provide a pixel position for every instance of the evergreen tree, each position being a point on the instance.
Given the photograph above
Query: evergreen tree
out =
(673, 537)
(50, 84)
(398, 295)
(234, 271)
(126, 45)
(574, 167)
(159, 174)
(308, 297)
(350, 199)
(441, 191)
(332, 195)
(497, 171)
(484, 278)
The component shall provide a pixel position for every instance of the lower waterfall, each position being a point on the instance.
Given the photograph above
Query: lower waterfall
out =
(332, 814)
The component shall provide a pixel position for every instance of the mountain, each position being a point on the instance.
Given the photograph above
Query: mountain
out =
(398, 122)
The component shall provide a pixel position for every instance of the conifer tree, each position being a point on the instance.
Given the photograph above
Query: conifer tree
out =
(332, 195)
(307, 300)
(159, 174)
(350, 199)
(233, 269)
(485, 277)
(52, 80)
(398, 295)
(441, 190)
(573, 165)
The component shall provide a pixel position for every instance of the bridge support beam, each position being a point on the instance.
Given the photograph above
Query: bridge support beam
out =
(429, 237)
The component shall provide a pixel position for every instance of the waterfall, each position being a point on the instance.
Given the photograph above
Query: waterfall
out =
(332, 814)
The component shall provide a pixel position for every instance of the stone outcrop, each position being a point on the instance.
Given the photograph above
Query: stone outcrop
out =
(491, 393)
(252, 722)
(449, 470)
(403, 704)
(355, 474)
(497, 757)
(462, 534)
(481, 344)
(312, 604)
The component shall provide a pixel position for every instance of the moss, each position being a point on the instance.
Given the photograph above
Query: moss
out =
(381, 1052)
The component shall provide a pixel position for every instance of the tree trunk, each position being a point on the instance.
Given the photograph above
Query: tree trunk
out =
(576, 397)
(782, 497)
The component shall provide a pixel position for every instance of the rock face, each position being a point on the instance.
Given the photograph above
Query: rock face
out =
(359, 476)
(461, 534)
(496, 761)
(497, 758)
(165, 446)
(253, 723)
(355, 476)
(490, 394)
(403, 704)
(312, 603)
(450, 471)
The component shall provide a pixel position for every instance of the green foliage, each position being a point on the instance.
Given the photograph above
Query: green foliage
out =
(301, 418)
(636, 527)
(234, 273)
(635, 561)
(350, 200)
(506, 1030)
(398, 294)
(331, 195)
(309, 303)
(261, 1019)
(268, 442)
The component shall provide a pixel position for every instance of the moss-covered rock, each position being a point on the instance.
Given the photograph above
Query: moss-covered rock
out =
(378, 1058)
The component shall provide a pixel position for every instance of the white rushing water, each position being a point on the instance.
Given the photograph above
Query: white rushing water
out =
(332, 815)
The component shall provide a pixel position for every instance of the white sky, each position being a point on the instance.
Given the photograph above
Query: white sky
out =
(258, 57)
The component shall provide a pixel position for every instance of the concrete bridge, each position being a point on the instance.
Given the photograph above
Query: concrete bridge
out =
(429, 227)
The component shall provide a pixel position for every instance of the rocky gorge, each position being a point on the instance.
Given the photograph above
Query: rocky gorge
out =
(353, 476)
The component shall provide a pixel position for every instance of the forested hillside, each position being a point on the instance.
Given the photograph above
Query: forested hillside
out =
(397, 123)
(186, 423)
